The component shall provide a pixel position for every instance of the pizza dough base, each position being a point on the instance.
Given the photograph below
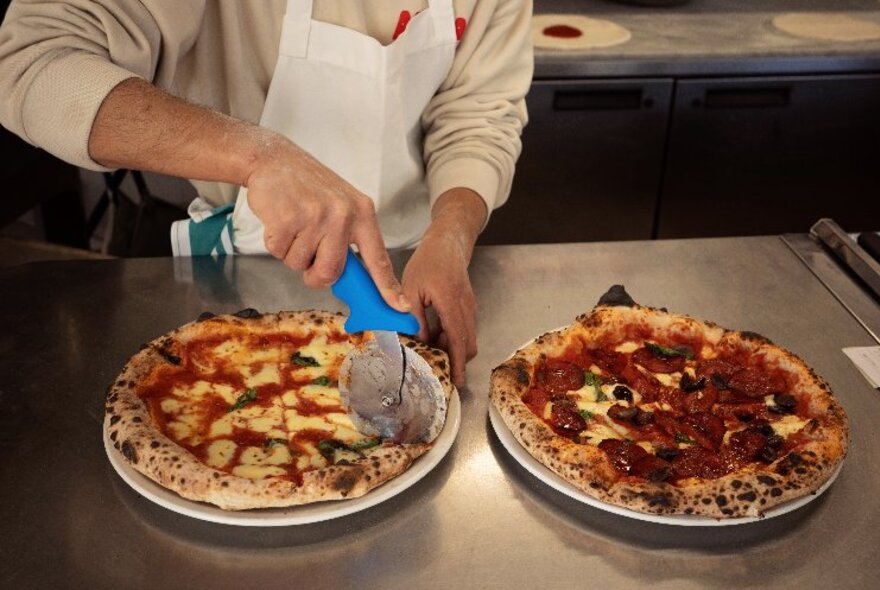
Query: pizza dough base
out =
(827, 26)
(595, 32)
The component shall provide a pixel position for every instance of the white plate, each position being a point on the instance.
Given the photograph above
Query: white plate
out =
(550, 478)
(294, 515)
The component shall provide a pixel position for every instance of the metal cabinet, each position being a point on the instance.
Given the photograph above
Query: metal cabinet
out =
(751, 156)
(591, 163)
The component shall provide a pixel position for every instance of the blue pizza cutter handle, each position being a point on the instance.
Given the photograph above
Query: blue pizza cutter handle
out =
(367, 309)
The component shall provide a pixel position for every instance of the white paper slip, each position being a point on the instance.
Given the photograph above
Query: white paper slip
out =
(867, 361)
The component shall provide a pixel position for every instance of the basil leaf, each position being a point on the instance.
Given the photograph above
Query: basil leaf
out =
(323, 380)
(328, 447)
(304, 361)
(593, 379)
(245, 398)
(669, 352)
(274, 442)
(586, 414)
(600, 395)
(364, 443)
(685, 439)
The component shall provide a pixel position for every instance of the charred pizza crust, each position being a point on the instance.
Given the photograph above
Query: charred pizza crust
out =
(746, 492)
(146, 448)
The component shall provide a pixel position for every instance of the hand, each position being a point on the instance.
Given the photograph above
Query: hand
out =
(311, 215)
(437, 276)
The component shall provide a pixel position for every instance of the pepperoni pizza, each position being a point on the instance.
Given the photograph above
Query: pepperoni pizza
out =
(666, 414)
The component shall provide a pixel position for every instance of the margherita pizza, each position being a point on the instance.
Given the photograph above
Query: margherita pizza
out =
(243, 411)
(666, 414)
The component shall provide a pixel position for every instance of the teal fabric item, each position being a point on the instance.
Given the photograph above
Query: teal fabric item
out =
(205, 235)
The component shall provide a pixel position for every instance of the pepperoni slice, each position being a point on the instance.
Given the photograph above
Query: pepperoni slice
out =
(657, 364)
(622, 453)
(564, 416)
(741, 412)
(729, 396)
(676, 398)
(755, 383)
(647, 385)
(705, 428)
(610, 360)
(697, 462)
(700, 401)
(560, 376)
(651, 468)
(746, 444)
(536, 399)
(722, 368)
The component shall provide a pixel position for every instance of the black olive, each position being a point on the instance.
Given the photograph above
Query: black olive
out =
(642, 418)
(719, 381)
(621, 413)
(785, 402)
(763, 428)
(247, 314)
(659, 474)
(688, 385)
(768, 455)
(622, 392)
(774, 441)
(667, 454)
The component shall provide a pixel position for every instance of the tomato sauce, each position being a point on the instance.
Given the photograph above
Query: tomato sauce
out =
(562, 31)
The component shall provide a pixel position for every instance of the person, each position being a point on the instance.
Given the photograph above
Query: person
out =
(307, 127)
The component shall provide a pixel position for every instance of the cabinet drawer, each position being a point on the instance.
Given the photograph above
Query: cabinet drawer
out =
(591, 163)
(752, 156)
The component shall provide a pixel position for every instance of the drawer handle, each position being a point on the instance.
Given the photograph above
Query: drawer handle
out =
(600, 100)
(746, 98)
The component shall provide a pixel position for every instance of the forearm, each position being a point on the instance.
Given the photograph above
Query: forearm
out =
(142, 127)
(459, 213)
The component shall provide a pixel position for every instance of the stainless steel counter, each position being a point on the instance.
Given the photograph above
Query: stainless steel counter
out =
(479, 519)
(709, 38)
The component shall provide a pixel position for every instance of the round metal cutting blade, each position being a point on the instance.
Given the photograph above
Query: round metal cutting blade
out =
(417, 416)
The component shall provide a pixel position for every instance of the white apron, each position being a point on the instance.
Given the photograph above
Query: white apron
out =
(355, 105)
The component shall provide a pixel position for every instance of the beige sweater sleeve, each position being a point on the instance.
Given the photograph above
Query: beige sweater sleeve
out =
(473, 124)
(59, 60)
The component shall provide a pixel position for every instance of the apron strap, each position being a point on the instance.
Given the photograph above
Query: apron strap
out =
(296, 28)
(443, 15)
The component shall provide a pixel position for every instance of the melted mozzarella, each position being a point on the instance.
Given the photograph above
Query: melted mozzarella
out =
(277, 455)
(236, 353)
(627, 347)
(596, 433)
(220, 452)
(295, 422)
(668, 379)
(327, 355)
(788, 425)
(321, 395)
(267, 374)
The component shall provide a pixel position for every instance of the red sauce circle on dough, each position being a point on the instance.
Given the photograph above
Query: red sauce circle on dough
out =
(562, 31)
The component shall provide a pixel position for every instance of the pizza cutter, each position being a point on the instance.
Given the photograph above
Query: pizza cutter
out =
(388, 389)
